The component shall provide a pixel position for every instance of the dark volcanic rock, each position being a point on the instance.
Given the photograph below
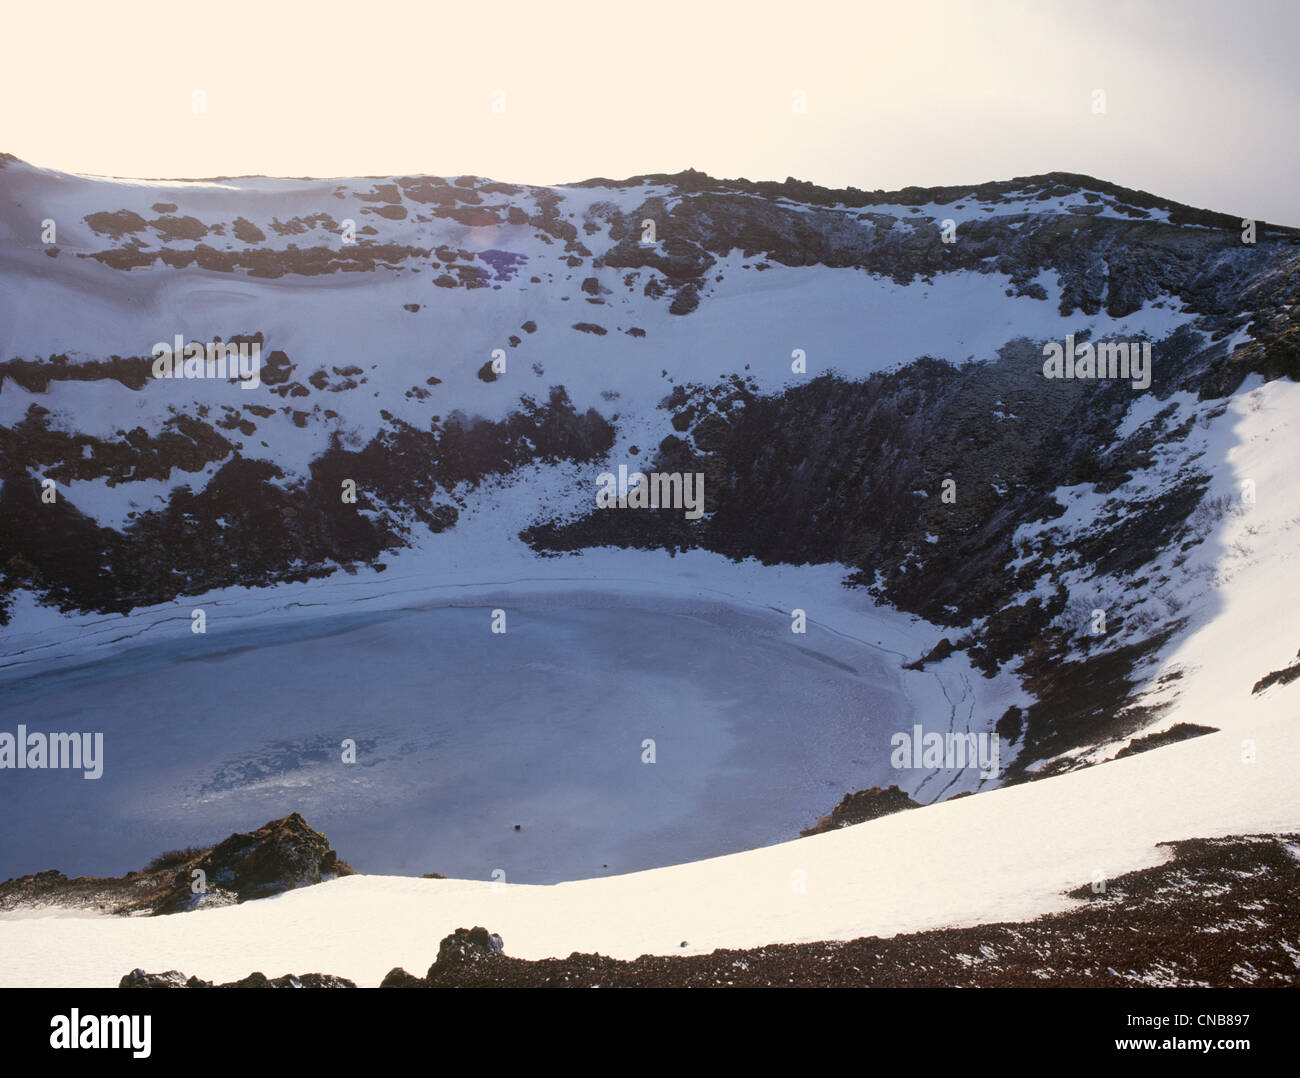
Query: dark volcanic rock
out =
(247, 232)
(1179, 732)
(137, 978)
(279, 856)
(270, 532)
(175, 979)
(862, 806)
(306, 980)
(314, 980)
(464, 947)
(1278, 677)
(686, 300)
(115, 224)
(464, 950)
(936, 654)
(53, 890)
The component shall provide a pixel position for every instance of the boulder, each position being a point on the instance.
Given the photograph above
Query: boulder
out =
(465, 947)
(137, 978)
(279, 856)
(399, 978)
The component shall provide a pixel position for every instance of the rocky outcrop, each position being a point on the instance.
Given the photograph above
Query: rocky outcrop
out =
(1178, 732)
(464, 947)
(279, 856)
(1284, 676)
(863, 806)
(173, 978)
(274, 528)
(138, 978)
(464, 950)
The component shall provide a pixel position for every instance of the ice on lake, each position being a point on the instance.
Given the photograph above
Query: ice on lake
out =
(522, 752)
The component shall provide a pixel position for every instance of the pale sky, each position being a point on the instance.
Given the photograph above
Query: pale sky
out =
(1200, 98)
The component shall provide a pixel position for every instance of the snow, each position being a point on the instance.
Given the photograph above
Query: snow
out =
(844, 320)
(1229, 589)
(112, 506)
(964, 209)
(1247, 578)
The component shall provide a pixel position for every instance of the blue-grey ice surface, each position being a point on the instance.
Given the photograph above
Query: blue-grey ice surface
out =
(462, 734)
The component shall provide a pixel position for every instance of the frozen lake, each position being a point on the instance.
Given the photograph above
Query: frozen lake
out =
(462, 735)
